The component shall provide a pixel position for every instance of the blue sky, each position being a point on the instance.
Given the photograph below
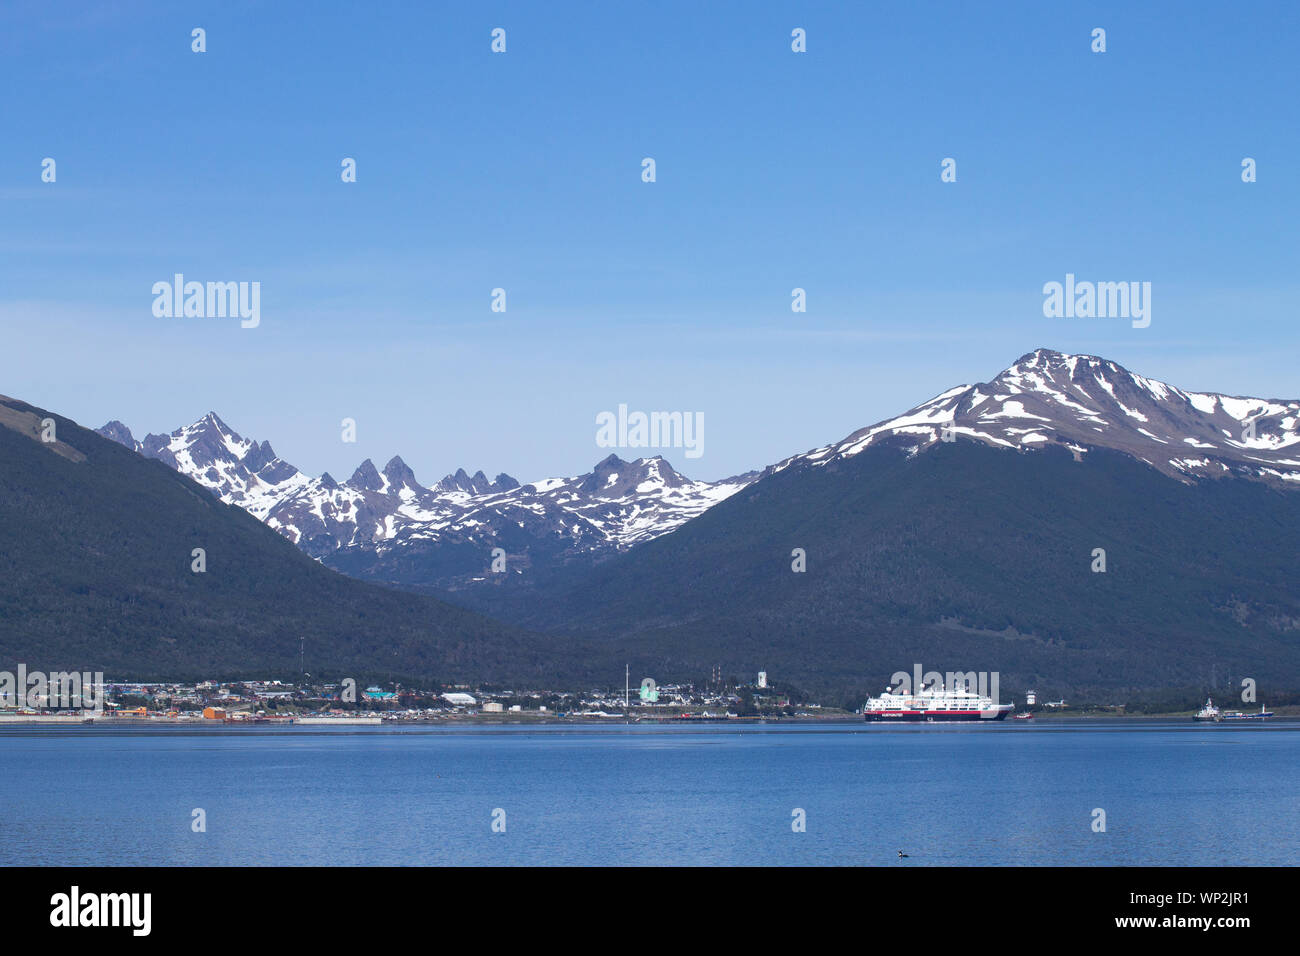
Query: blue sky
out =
(522, 171)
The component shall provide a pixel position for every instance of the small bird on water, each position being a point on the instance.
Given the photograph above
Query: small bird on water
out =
(902, 855)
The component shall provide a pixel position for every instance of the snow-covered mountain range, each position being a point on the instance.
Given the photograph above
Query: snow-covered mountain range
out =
(616, 505)
(374, 521)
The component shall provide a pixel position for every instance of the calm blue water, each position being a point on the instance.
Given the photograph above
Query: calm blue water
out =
(1173, 792)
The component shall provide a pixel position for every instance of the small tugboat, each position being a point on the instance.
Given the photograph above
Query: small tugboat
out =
(1208, 712)
(1026, 715)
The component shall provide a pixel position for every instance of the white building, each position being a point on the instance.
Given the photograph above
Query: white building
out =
(762, 679)
(493, 707)
(1031, 698)
(459, 700)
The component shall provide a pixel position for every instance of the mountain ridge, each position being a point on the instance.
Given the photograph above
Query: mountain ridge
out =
(979, 553)
(110, 561)
(995, 413)
(359, 522)
(384, 525)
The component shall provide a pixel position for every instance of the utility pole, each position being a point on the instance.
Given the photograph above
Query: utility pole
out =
(627, 688)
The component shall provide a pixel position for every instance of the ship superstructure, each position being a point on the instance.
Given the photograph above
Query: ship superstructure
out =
(934, 704)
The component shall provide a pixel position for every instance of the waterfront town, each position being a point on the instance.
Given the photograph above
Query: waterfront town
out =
(273, 701)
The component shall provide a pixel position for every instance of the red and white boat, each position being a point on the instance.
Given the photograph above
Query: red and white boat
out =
(933, 705)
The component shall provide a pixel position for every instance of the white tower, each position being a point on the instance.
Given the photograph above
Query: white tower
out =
(1031, 698)
(762, 679)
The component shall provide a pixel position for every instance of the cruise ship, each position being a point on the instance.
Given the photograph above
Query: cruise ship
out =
(934, 704)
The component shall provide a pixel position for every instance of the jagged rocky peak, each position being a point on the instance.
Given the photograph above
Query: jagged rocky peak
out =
(276, 470)
(617, 478)
(609, 471)
(609, 465)
(116, 431)
(238, 470)
(367, 477)
(213, 420)
(259, 456)
(475, 484)
(210, 430)
(205, 441)
(1043, 366)
(400, 475)
(659, 468)
(1052, 359)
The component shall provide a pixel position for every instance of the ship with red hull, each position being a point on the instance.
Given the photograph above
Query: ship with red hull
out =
(933, 705)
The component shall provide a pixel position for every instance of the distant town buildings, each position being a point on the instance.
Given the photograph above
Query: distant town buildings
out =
(264, 701)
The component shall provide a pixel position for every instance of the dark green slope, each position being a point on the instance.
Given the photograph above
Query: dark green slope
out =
(961, 558)
(95, 573)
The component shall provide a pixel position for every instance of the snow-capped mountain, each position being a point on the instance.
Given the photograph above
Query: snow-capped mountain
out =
(237, 470)
(384, 524)
(1084, 402)
(616, 505)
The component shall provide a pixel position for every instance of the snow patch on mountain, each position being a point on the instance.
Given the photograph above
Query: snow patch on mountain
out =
(1084, 402)
(616, 505)
(1045, 399)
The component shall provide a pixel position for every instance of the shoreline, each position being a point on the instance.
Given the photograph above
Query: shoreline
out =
(495, 719)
